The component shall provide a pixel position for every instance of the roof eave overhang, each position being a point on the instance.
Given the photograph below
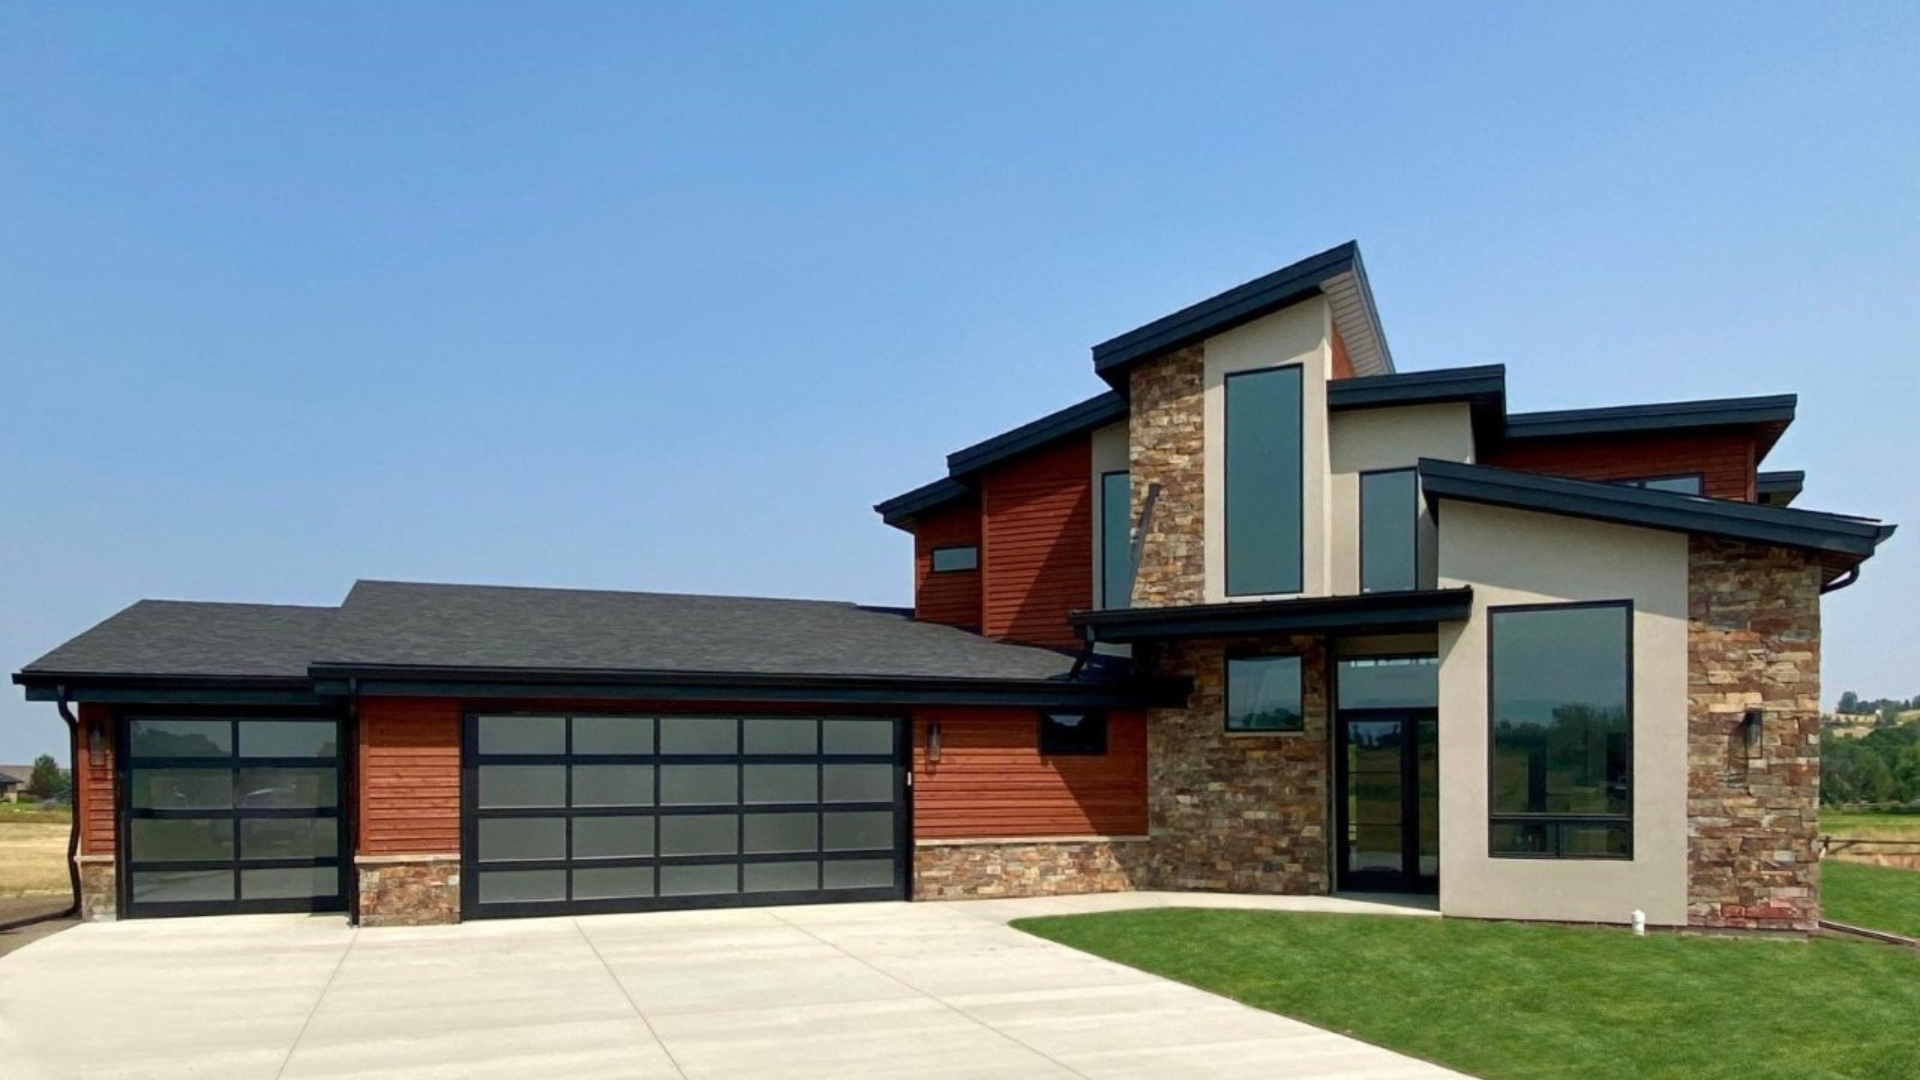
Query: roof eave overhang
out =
(1806, 530)
(137, 688)
(901, 510)
(499, 683)
(1369, 613)
(1767, 417)
(1482, 389)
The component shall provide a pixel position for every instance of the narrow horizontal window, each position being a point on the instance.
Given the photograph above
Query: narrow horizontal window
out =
(1073, 733)
(1264, 694)
(1561, 712)
(1689, 484)
(946, 560)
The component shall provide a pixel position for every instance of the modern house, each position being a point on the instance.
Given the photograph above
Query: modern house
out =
(1266, 615)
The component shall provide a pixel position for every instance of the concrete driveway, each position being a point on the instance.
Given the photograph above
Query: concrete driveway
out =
(916, 991)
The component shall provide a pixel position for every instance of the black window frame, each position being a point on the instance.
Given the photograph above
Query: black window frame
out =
(1092, 742)
(1645, 483)
(1226, 693)
(1413, 553)
(1553, 823)
(1106, 571)
(933, 559)
(1226, 483)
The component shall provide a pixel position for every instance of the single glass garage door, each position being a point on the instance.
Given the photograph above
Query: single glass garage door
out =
(231, 815)
(634, 813)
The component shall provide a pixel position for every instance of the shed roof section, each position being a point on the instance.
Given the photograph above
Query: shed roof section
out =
(188, 639)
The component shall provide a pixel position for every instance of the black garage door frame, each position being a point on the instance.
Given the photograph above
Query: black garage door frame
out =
(471, 813)
(234, 762)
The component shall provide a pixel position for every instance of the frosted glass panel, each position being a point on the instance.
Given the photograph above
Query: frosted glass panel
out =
(523, 785)
(859, 831)
(613, 785)
(699, 880)
(783, 736)
(522, 886)
(782, 877)
(612, 837)
(509, 839)
(858, 783)
(782, 783)
(294, 883)
(523, 735)
(857, 736)
(770, 833)
(859, 874)
(176, 886)
(612, 735)
(699, 735)
(289, 838)
(700, 834)
(611, 882)
(699, 785)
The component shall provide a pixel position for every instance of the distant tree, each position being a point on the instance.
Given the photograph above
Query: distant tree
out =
(1849, 703)
(47, 781)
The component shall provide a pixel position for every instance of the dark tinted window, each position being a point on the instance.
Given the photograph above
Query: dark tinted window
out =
(1562, 731)
(1073, 733)
(1263, 482)
(1263, 694)
(1389, 516)
(1684, 485)
(949, 559)
(1116, 545)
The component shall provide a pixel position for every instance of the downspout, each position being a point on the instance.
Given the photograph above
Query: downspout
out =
(1852, 575)
(1133, 553)
(73, 830)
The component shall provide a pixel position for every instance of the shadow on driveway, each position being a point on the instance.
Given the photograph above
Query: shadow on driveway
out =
(15, 908)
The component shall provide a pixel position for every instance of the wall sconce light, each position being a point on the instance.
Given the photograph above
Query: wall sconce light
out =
(96, 742)
(933, 741)
(1750, 725)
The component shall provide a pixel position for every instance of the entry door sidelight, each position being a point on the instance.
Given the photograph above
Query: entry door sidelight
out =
(1388, 795)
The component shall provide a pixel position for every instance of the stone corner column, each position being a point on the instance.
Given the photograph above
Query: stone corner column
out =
(408, 890)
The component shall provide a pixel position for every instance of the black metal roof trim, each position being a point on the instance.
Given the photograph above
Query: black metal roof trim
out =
(1095, 412)
(901, 509)
(130, 688)
(1664, 416)
(1483, 389)
(1779, 488)
(1238, 305)
(1617, 503)
(1366, 613)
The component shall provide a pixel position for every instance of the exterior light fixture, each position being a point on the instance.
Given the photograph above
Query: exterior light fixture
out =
(1750, 727)
(96, 742)
(933, 741)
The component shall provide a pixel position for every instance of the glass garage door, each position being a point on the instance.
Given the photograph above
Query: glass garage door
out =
(634, 813)
(231, 815)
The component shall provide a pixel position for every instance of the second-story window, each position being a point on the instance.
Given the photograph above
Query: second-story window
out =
(1687, 484)
(1389, 530)
(1263, 482)
(1116, 542)
(947, 560)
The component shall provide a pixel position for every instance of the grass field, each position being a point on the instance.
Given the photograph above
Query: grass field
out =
(1873, 825)
(33, 851)
(1519, 1002)
(1876, 897)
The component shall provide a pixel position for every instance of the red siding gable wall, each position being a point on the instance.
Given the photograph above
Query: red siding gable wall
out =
(992, 782)
(953, 597)
(1726, 461)
(1037, 554)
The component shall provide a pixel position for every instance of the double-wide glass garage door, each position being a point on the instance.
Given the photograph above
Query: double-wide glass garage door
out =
(599, 813)
(231, 814)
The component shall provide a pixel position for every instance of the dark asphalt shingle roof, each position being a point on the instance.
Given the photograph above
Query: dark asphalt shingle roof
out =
(485, 626)
(181, 637)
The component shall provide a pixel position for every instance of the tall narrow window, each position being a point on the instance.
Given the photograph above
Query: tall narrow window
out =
(1263, 482)
(1116, 542)
(1560, 696)
(1389, 530)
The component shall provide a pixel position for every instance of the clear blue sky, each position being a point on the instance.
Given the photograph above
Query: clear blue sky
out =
(665, 297)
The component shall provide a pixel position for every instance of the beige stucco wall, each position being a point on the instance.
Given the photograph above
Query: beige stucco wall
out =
(1295, 335)
(1517, 557)
(1110, 453)
(1365, 440)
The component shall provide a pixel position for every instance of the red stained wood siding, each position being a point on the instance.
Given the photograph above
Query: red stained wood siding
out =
(991, 780)
(1726, 461)
(952, 597)
(93, 781)
(1037, 550)
(409, 792)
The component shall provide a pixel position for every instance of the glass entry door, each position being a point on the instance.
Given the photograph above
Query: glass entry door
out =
(1388, 801)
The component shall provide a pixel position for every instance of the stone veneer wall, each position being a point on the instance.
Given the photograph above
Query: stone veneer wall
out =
(99, 891)
(1166, 433)
(983, 870)
(1753, 641)
(1237, 812)
(408, 890)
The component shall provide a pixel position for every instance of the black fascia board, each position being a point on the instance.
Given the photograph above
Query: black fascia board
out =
(1786, 483)
(427, 681)
(1367, 613)
(1235, 307)
(902, 509)
(1095, 412)
(1623, 505)
(1775, 411)
(1483, 389)
(131, 688)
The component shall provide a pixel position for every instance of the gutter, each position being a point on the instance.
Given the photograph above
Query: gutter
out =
(73, 830)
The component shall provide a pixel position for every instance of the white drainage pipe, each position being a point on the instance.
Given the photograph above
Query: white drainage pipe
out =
(1639, 923)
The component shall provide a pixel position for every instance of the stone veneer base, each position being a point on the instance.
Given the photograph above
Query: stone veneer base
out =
(99, 888)
(408, 890)
(1018, 867)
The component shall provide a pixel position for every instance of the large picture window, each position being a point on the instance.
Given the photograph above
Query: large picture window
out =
(1116, 543)
(1560, 697)
(1389, 530)
(1263, 482)
(1264, 694)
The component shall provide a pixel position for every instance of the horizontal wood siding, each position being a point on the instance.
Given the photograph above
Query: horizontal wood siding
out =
(93, 786)
(409, 792)
(1726, 461)
(953, 597)
(991, 780)
(1037, 554)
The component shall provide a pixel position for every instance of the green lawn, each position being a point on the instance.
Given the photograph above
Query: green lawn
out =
(1518, 1002)
(1876, 897)
(30, 813)
(1871, 825)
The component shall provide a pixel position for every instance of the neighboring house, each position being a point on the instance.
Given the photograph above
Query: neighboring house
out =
(1267, 616)
(14, 780)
